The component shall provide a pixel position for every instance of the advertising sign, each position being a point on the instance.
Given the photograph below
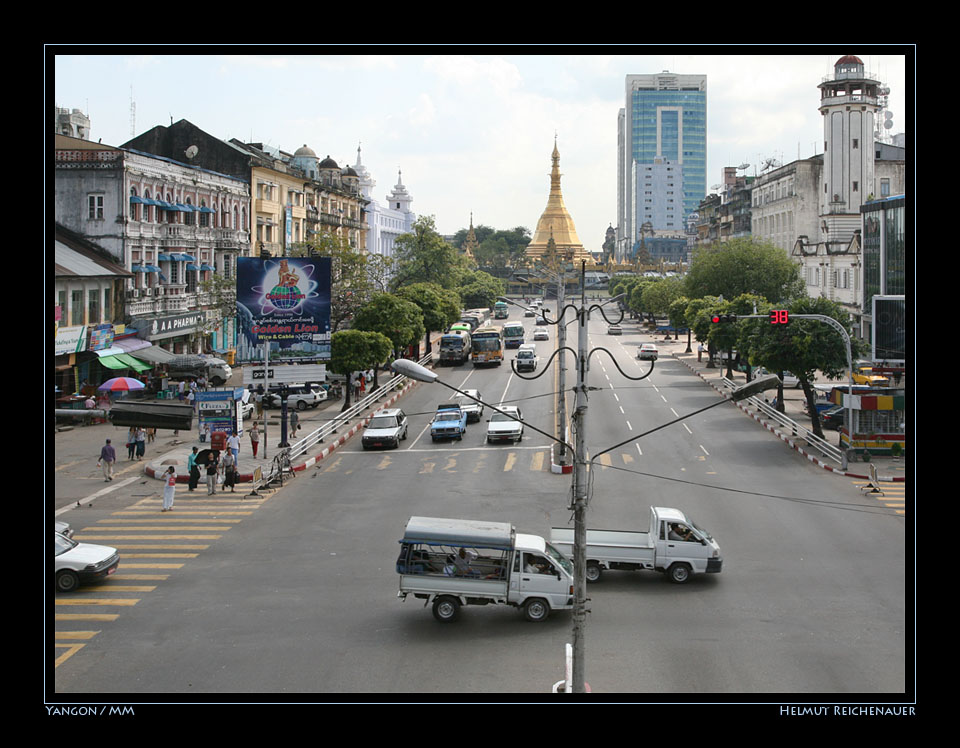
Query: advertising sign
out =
(217, 409)
(284, 301)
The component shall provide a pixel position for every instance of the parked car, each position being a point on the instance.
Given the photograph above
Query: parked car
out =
(865, 375)
(832, 418)
(789, 380)
(472, 408)
(614, 330)
(503, 427)
(541, 333)
(647, 352)
(300, 397)
(387, 428)
(79, 563)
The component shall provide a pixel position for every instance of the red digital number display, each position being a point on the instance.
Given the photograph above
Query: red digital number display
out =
(779, 317)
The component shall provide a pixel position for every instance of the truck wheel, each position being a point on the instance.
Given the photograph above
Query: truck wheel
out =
(594, 570)
(67, 581)
(536, 609)
(679, 573)
(446, 609)
(217, 382)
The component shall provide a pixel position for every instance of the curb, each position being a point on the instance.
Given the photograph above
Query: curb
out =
(789, 439)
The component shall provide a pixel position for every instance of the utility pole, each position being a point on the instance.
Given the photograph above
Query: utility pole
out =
(580, 496)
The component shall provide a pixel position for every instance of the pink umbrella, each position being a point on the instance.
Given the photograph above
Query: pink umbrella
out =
(121, 384)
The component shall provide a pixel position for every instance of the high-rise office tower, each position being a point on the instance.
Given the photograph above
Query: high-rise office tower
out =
(662, 159)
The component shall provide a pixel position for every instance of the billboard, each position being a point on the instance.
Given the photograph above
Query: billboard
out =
(283, 302)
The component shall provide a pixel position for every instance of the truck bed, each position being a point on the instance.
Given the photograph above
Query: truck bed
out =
(428, 584)
(617, 546)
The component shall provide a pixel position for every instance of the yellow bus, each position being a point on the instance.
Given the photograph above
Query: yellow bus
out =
(487, 345)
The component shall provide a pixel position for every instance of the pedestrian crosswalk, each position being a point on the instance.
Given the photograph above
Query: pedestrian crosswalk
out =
(153, 546)
(889, 494)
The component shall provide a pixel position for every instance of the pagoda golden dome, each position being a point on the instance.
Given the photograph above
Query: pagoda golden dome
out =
(556, 222)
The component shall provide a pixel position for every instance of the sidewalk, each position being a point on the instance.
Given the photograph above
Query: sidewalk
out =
(888, 468)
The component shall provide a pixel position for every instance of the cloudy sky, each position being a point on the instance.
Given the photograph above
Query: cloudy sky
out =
(470, 132)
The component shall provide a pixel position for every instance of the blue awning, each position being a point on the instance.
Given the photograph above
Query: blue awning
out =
(205, 266)
(191, 266)
(183, 208)
(162, 257)
(152, 268)
(137, 268)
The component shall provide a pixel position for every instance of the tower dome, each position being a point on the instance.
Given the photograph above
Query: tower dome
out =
(556, 224)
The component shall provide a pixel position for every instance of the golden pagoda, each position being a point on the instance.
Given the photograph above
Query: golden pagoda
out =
(557, 223)
(470, 242)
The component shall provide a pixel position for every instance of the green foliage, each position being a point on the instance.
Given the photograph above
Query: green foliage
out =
(422, 256)
(744, 265)
(480, 290)
(353, 350)
(398, 319)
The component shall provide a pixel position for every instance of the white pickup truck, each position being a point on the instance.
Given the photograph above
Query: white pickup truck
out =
(674, 545)
(450, 563)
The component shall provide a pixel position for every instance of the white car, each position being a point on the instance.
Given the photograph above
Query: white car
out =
(647, 352)
(472, 408)
(505, 427)
(541, 333)
(77, 563)
(300, 397)
(387, 428)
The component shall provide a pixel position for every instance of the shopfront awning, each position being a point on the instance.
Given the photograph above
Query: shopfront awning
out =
(154, 355)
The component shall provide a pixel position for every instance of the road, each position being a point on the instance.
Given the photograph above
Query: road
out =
(296, 594)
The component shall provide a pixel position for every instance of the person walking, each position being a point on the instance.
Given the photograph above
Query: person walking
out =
(108, 456)
(213, 470)
(169, 488)
(141, 443)
(294, 421)
(254, 438)
(193, 469)
(233, 444)
(131, 443)
(229, 471)
(700, 352)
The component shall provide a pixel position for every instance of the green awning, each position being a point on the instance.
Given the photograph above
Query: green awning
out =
(123, 361)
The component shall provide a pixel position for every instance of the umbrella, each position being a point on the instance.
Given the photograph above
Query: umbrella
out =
(121, 384)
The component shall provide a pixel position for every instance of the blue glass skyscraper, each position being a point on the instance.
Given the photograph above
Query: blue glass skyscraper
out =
(662, 164)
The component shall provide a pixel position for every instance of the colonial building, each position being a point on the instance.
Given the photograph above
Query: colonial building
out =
(172, 224)
(388, 221)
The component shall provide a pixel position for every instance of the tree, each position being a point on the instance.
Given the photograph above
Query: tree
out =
(396, 318)
(352, 276)
(803, 347)
(354, 350)
(480, 290)
(744, 265)
(660, 294)
(435, 304)
(422, 256)
(222, 293)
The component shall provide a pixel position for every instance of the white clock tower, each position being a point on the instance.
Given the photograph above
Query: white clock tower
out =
(849, 103)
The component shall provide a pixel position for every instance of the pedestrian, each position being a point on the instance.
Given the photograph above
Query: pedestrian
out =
(233, 443)
(151, 435)
(363, 383)
(191, 398)
(141, 443)
(294, 420)
(204, 431)
(258, 399)
(131, 443)
(108, 457)
(180, 390)
(193, 469)
(699, 352)
(228, 465)
(169, 488)
(213, 470)
(254, 438)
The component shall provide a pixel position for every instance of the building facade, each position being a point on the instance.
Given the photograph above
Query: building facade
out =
(663, 124)
(388, 221)
(172, 225)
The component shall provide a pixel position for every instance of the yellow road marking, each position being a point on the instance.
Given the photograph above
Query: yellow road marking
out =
(122, 601)
(86, 616)
(58, 635)
(511, 459)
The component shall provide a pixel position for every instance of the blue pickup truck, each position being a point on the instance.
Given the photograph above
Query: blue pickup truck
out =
(450, 422)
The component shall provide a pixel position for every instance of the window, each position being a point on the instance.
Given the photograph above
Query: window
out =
(93, 306)
(95, 207)
(76, 308)
(856, 144)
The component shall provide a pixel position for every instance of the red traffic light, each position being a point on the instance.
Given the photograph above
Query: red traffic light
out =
(779, 316)
(717, 318)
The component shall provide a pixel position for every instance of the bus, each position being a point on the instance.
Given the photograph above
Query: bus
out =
(513, 334)
(500, 310)
(455, 348)
(487, 346)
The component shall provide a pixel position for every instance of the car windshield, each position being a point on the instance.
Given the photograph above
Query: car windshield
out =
(502, 417)
(448, 416)
(382, 422)
(64, 544)
(700, 530)
(559, 558)
(525, 354)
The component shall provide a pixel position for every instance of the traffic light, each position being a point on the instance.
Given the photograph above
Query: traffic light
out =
(779, 316)
(718, 318)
